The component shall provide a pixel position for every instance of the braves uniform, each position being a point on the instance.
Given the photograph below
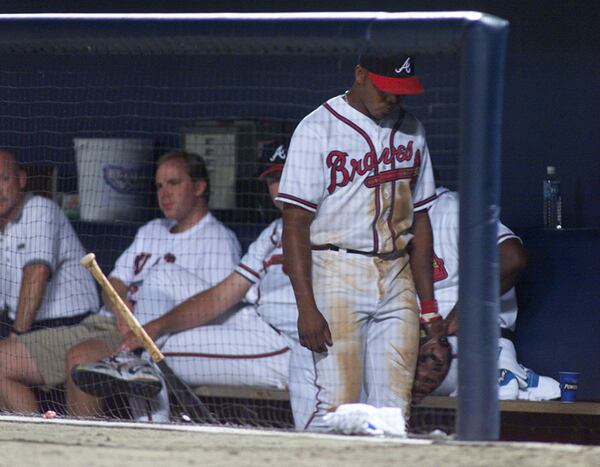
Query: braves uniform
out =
(41, 234)
(444, 217)
(252, 345)
(363, 181)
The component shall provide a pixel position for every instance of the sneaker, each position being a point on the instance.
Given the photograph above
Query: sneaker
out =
(508, 386)
(539, 388)
(122, 373)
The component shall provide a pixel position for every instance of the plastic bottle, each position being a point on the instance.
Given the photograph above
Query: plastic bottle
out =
(552, 200)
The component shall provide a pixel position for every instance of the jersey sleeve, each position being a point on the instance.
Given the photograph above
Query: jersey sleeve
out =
(504, 233)
(43, 230)
(251, 266)
(303, 179)
(424, 189)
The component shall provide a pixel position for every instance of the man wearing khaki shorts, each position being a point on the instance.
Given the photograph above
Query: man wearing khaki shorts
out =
(188, 239)
(50, 299)
(49, 347)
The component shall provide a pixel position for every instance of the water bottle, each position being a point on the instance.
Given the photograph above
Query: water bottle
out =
(552, 200)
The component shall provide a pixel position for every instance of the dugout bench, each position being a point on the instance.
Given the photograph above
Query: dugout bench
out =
(556, 331)
(559, 316)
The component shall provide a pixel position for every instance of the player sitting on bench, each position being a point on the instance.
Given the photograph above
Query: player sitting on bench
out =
(515, 381)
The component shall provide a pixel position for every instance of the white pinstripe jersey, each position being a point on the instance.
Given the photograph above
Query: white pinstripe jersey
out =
(272, 291)
(41, 234)
(362, 179)
(443, 215)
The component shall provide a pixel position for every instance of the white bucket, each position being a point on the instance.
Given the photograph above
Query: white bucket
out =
(113, 177)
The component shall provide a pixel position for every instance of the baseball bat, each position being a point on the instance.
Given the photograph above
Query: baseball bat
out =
(189, 401)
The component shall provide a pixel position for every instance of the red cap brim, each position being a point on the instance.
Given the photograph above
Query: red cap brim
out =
(410, 85)
(274, 168)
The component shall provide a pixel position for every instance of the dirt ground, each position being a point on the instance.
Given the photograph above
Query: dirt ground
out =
(37, 442)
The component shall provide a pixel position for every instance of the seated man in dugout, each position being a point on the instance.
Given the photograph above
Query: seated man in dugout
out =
(515, 381)
(241, 332)
(170, 259)
(50, 300)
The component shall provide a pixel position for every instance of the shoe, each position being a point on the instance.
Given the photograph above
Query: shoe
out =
(508, 386)
(119, 374)
(539, 388)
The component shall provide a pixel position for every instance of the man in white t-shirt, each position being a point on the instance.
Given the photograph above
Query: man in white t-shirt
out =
(240, 332)
(515, 381)
(43, 288)
(170, 259)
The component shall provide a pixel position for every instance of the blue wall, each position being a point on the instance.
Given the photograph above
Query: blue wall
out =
(552, 88)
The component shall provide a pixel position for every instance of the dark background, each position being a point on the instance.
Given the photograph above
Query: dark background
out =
(552, 88)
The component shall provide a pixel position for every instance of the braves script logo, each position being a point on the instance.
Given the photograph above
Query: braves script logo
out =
(337, 163)
(406, 67)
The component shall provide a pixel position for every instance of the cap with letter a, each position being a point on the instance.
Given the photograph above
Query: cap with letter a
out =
(394, 74)
(272, 157)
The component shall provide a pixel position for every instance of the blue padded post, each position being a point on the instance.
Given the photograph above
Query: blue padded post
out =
(483, 57)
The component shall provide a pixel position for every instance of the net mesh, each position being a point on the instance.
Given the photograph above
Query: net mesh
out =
(89, 129)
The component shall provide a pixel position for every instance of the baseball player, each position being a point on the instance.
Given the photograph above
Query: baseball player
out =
(356, 189)
(170, 259)
(515, 381)
(242, 331)
(42, 286)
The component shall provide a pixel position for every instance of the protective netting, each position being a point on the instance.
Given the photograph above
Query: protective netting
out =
(90, 128)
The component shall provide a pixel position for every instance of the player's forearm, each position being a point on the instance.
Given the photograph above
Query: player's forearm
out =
(451, 321)
(203, 307)
(421, 257)
(31, 294)
(297, 254)
(513, 260)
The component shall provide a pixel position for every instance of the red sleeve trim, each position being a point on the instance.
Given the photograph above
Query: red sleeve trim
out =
(296, 200)
(249, 270)
(424, 202)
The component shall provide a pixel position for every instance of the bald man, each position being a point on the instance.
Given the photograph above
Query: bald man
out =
(43, 290)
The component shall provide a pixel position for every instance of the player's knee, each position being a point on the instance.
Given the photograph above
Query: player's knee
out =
(86, 352)
(11, 357)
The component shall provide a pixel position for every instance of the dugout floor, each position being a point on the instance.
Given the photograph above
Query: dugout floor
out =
(34, 441)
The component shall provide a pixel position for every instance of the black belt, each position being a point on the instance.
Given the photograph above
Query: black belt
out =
(55, 322)
(331, 247)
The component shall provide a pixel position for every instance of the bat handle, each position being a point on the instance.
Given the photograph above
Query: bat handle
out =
(89, 262)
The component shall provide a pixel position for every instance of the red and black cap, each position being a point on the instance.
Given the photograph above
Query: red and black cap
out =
(272, 157)
(394, 74)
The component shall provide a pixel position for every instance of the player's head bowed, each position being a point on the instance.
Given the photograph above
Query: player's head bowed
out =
(394, 74)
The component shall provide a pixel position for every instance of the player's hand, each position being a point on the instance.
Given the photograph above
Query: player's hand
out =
(451, 327)
(436, 328)
(313, 331)
(131, 342)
